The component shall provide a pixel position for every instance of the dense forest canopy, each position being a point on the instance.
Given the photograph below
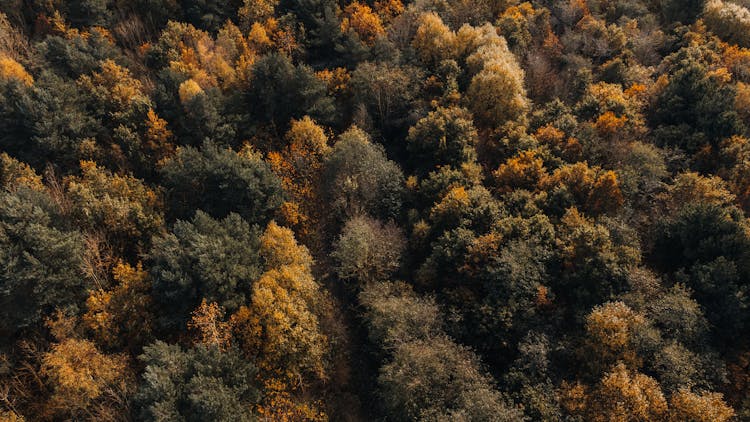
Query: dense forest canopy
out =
(363, 210)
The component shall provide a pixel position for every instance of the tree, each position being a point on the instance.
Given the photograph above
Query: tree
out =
(211, 14)
(12, 70)
(122, 316)
(594, 190)
(439, 380)
(300, 167)
(396, 314)
(685, 12)
(255, 11)
(81, 377)
(389, 94)
(627, 395)
(209, 326)
(122, 207)
(695, 109)
(496, 94)
(361, 19)
(446, 136)
(368, 250)
(688, 406)
(281, 91)
(42, 264)
(220, 181)
(426, 375)
(433, 41)
(198, 384)
(524, 171)
(612, 329)
(594, 262)
(215, 260)
(15, 174)
(359, 178)
(279, 329)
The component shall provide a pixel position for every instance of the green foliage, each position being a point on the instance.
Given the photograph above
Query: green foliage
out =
(219, 181)
(197, 384)
(281, 91)
(428, 376)
(444, 137)
(368, 250)
(695, 109)
(359, 178)
(216, 260)
(562, 186)
(42, 262)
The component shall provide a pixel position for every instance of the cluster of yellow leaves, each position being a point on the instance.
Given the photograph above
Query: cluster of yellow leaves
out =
(222, 62)
(280, 327)
(568, 148)
(80, 372)
(608, 124)
(300, 166)
(158, 138)
(361, 19)
(610, 329)
(593, 189)
(337, 80)
(434, 41)
(388, 9)
(255, 11)
(120, 86)
(14, 174)
(596, 190)
(524, 171)
(279, 406)
(120, 205)
(623, 396)
(120, 314)
(209, 326)
(188, 90)
(12, 70)
(691, 187)
(452, 204)
(708, 407)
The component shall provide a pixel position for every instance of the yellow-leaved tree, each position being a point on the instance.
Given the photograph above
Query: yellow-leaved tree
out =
(280, 329)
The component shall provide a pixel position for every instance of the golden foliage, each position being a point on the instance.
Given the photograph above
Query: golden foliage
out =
(121, 206)
(337, 80)
(691, 187)
(361, 19)
(567, 148)
(280, 328)
(608, 124)
(158, 138)
(14, 174)
(686, 406)
(610, 329)
(625, 396)
(388, 9)
(12, 70)
(280, 406)
(453, 203)
(596, 190)
(80, 374)
(121, 315)
(254, 11)
(300, 166)
(434, 41)
(208, 324)
(620, 396)
(523, 171)
(189, 90)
